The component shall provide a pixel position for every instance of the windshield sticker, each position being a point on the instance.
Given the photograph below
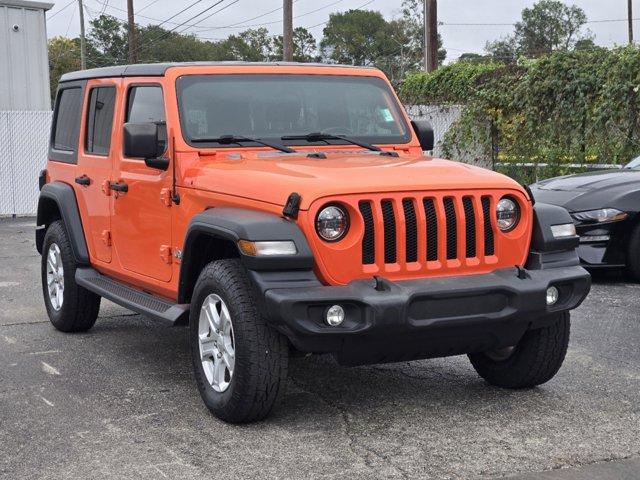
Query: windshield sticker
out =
(386, 114)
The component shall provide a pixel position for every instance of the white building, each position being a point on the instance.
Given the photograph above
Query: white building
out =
(24, 64)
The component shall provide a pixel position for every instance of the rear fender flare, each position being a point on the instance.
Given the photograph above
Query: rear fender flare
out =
(61, 196)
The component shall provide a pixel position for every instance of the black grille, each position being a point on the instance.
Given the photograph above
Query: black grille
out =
(470, 222)
(438, 214)
(432, 229)
(452, 229)
(489, 248)
(411, 224)
(389, 220)
(369, 240)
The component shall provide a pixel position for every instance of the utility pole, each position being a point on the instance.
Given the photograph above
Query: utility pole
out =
(132, 32)
(287, 32)
(83, 41)
(430, 35)
(630, 11)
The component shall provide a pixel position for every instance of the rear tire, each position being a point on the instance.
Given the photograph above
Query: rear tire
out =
(633, 255)
(70, 307)
(535, 359)
(226, 326)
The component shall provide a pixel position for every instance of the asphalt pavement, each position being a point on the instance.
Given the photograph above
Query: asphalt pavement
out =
(120, 402)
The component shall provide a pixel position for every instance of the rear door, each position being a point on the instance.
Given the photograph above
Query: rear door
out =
(95, 164)
(141, 222)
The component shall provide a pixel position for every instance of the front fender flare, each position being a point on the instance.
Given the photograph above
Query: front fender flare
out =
(234, 224)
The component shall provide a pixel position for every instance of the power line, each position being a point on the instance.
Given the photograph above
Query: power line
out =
(153, 2)
(167, 33)
(67, 5)
(482, 24)
(208, 16)
(327, 21)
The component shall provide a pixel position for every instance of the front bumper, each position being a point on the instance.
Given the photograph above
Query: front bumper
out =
(425, 317)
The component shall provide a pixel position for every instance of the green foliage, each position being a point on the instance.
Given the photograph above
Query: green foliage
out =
(570, 107)
(548, 26)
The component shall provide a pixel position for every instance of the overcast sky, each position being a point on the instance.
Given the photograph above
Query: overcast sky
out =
(238, 15)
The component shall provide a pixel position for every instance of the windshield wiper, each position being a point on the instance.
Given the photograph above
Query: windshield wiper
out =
(239, 139)
(321, 137)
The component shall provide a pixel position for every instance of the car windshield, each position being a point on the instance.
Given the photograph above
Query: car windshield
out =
(633, 164)
(270, 107)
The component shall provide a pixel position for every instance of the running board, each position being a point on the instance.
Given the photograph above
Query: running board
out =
(131, 298)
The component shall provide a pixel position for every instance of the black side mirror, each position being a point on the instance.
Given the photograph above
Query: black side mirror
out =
(141, 141)
(425, 134)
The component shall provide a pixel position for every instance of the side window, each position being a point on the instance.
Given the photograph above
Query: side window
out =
(146, 104)
(100, 120)
(67, 120)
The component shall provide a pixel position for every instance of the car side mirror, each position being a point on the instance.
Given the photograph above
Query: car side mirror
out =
(141, 141)
(425, 134)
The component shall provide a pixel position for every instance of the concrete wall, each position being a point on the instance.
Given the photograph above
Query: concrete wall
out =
(24, 65)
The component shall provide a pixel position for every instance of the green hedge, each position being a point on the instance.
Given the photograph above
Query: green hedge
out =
(568, 107)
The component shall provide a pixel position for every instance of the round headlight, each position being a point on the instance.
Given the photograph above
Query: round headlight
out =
(332, 223)
(508, 214)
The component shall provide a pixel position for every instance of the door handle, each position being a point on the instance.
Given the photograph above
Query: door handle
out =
(119, 187)
(83, 180)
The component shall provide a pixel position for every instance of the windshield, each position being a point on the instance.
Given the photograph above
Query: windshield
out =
(634, 164)
(274, 106)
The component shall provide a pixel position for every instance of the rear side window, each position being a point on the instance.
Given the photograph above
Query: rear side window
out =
(145, 104)
(100, 120)
(67, 121)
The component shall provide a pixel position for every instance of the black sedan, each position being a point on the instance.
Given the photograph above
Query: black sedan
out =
(605, 206)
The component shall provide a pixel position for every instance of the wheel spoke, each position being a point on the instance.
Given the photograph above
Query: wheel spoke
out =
(219, 369)
(207, 348)
(213, 316)
(230, 361)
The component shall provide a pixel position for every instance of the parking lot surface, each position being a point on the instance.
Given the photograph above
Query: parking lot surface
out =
(120, 402)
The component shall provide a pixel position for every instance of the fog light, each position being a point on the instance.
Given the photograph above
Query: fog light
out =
(334, 316)
(552, 295)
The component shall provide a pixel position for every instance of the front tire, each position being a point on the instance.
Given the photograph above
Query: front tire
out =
(533, 361)
(240, 362)
(633, 255)
(70, 307)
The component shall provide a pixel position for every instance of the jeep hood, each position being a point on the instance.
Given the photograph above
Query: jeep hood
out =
(272, 178)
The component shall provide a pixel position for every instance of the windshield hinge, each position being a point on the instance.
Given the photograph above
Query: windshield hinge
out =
(292, 207)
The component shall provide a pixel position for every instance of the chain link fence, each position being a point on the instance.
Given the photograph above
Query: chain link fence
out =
(24, 140)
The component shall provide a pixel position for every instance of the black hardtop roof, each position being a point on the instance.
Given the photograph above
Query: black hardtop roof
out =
(159, 69)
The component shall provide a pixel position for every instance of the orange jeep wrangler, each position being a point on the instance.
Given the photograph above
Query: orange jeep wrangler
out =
(283, 209)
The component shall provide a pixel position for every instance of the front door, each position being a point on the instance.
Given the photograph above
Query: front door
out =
(141, 222)
(95, 163)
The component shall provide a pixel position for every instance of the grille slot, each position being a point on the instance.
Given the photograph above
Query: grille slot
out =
(389, 219)
(411, 224)
(489, 247)
(432, 229)
(452, 228)
(369, 239)
(470, 223)
(437, 229)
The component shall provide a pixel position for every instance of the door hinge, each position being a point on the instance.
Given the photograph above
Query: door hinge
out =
(166, 197)
(106, 188)
(106, 237)
(165, 254)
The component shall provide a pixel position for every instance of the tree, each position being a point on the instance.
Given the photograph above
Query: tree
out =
(64, 56)
(107, 42)
(474, 58)
(504, 50)
(413, 18)
(305, 46)
(253, 45)
(355, 37)
(549, 25)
